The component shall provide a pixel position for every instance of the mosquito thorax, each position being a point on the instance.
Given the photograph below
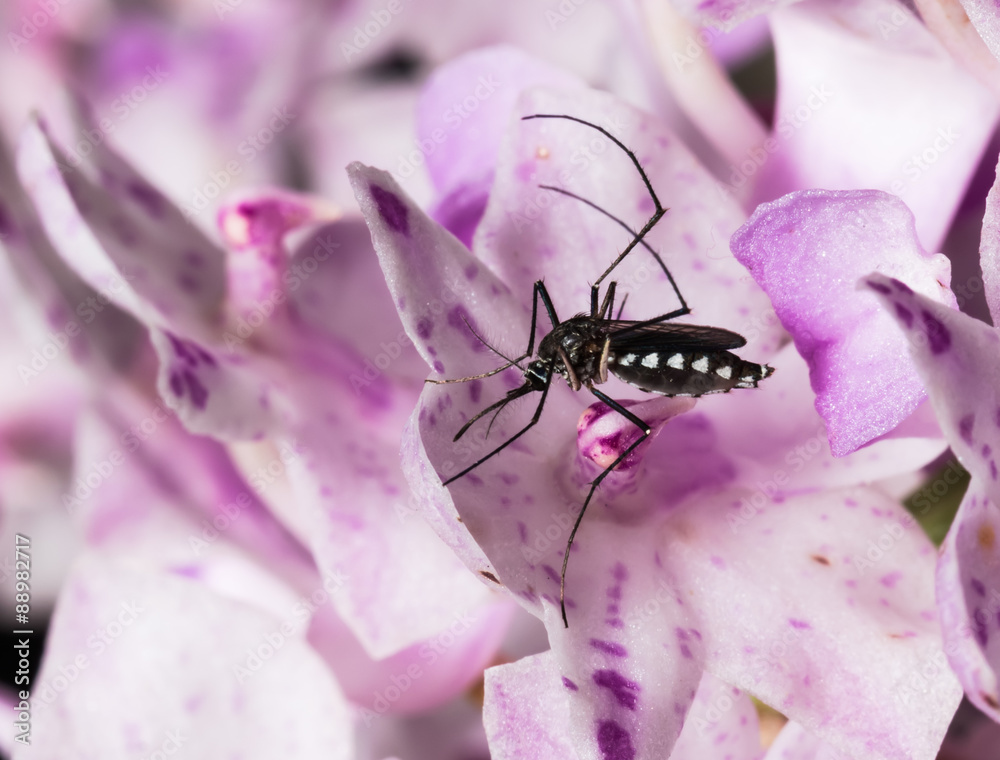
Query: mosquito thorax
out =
(575, 348)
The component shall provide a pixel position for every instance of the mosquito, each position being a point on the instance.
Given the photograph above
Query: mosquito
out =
(652, 354)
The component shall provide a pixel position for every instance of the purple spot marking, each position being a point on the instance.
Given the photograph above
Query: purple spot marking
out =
(550, 571)
(615, 592)
(176, 384)
(188, 283)
(965, 427)
(686, 652)
(475, 390)
(439, 367)
(522, 531)
(891, 579)
(199, 394)
(993, 469)
(620, 573)
(879, 288)
(424, 328)
(569, 684)
(979, 623)
(147, 197)
(902, 287)
(937, 334)
(977, 586)
(614, 741)
(616, 623)
(471, 271)
(800, 624)
(986, 451)
(391, 209)
(609, 647)
(625, 692)
(682, 635)
(904, 314)
(508, 478)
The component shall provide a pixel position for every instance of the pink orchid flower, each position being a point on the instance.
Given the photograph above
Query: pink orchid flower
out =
(735, 543)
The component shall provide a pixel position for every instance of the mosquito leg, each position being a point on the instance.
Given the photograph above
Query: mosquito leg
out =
(646, 430)
(607, 306)
(509, 441)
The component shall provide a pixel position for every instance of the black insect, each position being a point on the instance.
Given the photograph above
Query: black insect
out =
(652, 355)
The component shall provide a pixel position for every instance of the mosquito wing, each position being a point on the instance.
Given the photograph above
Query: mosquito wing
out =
(665, 336)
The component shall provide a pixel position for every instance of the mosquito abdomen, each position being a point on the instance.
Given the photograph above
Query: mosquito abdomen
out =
(686, 373)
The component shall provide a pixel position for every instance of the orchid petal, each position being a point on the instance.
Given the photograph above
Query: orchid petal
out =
(862, 568)
(989, 251)
(796, 743)
(968, 585)
(120, 624)
(123, 237)
(807, 251)
(842, 69)
(959, 359)
(462, 144)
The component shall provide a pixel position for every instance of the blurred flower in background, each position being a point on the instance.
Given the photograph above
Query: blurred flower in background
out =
(211, 372)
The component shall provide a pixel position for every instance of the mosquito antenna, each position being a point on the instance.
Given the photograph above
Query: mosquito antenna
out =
(510, 362)
(511, 395)
(624, 226)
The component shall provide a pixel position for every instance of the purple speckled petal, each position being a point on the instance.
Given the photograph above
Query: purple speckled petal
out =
(848, 66)
(526, 712)
(968, 585)
(722, 723)
(779, 441)
(121, 626)
(796, 743)
(528, 705)
(213, 392)
(633, 647)
(462, 143)
(807, 251)
(123, 237)
(530, 233)
(989, 251)
(958, 358)
(851, 647)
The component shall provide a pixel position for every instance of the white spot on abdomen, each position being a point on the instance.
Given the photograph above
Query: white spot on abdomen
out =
(725, 372)
(650, 360)
(676, 361)
(701, 364)
(629, 358)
